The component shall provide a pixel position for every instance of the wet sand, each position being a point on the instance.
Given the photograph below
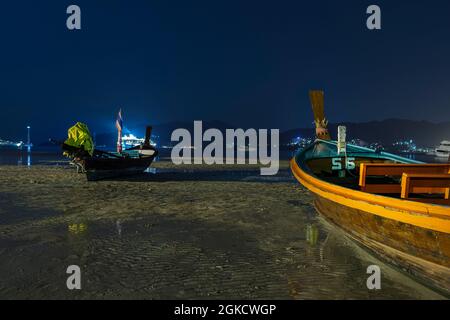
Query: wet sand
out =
(219, 232)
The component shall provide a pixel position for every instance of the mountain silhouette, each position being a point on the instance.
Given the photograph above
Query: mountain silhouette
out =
(424, 133)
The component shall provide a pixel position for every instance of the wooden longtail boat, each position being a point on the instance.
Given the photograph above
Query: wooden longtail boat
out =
(396, 207)
(132, 161)
(104, 165)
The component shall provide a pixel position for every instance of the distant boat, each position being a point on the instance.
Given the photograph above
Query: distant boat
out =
(130, 141)
(443, 151)
(99, 164)
(396, 207)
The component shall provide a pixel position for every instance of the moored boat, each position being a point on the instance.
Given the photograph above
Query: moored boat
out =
(396, 207)
(443, 150)
(105, 165)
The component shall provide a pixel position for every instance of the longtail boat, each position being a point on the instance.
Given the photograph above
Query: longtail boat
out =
(98, 164)
(396, 207)
(104, 165)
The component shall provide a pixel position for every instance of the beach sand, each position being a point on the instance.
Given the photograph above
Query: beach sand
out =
(206, 232)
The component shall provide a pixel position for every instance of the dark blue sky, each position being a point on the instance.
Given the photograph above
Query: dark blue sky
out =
(248, 63)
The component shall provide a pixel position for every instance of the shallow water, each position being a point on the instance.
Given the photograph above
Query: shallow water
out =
(35, 157)
(178, 234)
(53, 156)
(171, 258)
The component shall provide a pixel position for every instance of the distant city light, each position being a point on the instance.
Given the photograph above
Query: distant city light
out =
(130, 140)
(299, 142)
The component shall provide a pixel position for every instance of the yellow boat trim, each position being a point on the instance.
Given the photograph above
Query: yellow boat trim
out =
(429, 216)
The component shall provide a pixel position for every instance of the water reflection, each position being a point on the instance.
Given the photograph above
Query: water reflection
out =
(205, 260)
(312, 234)
(24, 157)
(21, 157)
(119, 227)
(313, 239)
(150, 170)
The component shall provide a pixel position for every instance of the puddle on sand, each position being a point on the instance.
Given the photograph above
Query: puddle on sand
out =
(162, 257)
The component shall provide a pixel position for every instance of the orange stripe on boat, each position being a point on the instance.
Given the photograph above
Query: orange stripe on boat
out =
(429, 216)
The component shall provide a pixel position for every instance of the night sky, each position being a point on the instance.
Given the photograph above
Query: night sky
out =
(247, 63)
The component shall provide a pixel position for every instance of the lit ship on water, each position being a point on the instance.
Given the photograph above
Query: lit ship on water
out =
(443, 150)
(5, 144)
(130, 140)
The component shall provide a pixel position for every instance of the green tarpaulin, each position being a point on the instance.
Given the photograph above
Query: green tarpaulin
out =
(80, 137)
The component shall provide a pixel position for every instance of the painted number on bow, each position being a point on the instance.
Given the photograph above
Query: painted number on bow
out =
(336, 164)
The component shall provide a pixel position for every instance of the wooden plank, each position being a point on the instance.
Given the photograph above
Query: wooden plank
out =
(386, 164)
(362, 174)
(397, 189)
(317, 103)
(427, 181)
(377, 169)
(398, 169)
(428, 190)
(404, 194)
(382, 188)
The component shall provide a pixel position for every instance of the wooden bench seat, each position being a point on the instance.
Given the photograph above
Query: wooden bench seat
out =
(427, 183)
(397, 170)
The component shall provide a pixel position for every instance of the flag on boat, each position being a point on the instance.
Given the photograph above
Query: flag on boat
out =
(119, 125)
(119, 121)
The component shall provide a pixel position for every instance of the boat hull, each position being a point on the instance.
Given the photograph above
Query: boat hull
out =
(99, 169)
(412, 236)
(409, 248)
